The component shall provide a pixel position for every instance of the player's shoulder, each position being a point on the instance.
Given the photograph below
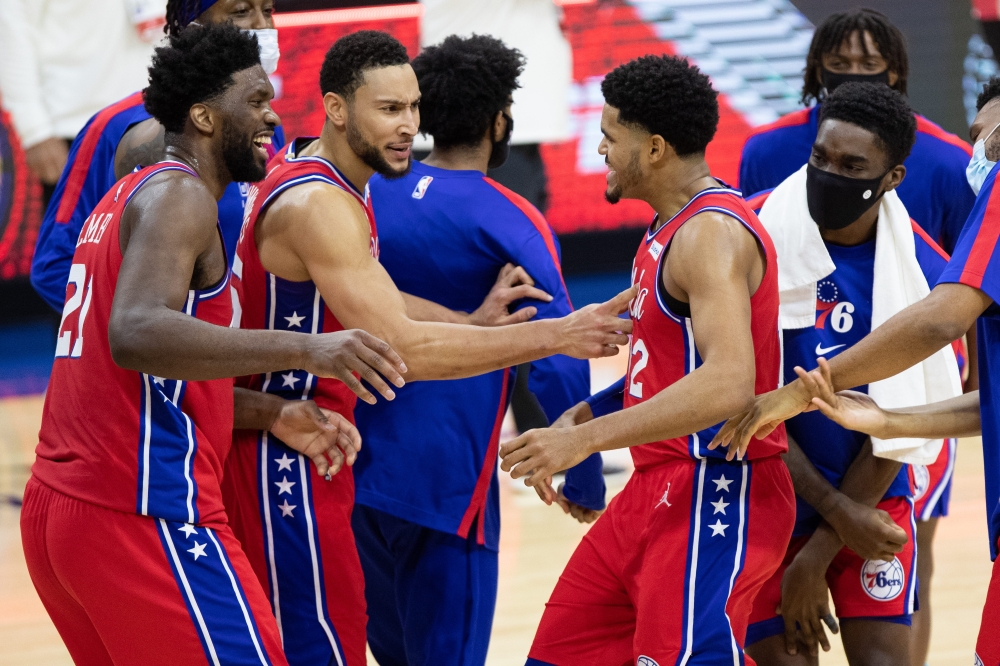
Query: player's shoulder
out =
(934, 142)
(756, 202)
(790, 126)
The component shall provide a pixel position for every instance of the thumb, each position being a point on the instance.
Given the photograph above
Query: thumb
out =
(319, 418)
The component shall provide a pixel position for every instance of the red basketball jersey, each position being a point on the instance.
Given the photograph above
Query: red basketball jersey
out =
(662, 348)
(123, 439)
(273, 303)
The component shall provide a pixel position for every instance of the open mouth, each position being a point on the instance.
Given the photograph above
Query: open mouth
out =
(400, 151)
(260, 143)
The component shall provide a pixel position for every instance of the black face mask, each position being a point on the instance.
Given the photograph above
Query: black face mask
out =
(836, 201)
(501, 148)
(832, 79)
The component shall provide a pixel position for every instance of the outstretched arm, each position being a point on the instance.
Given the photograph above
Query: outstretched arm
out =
(513, 284)
(906, 339)
(318, 232)
(711, 260)
(169, 234)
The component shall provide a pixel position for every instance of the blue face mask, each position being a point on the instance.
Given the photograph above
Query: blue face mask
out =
(979, 167)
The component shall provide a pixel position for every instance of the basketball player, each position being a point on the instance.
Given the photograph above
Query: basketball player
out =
(863, 45)
(307, 261)
(428, 535)
(865, 133)
(668, 574)
(966, 292)
(124, 136)
(123, 525)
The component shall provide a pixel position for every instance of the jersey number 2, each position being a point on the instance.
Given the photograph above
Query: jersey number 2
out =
(65, 345)
(638, 349)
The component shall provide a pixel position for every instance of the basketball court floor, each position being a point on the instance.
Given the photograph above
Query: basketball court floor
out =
(536, 541)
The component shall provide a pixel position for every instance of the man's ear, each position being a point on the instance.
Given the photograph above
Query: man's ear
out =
(202, 118)
(336, 108)
(658, 150)
(895, 177)
(499, 127)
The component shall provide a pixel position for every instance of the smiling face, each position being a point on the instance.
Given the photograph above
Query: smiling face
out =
(621, 146)
(244, 14)
(247, 125)
(383, 116)
(855, 57)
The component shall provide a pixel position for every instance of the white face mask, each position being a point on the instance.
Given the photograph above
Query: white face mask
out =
(979, 167)
(267, 39)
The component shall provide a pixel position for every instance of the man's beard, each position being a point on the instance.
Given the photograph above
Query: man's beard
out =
(627, 177)
(371, 155)
(240, 157)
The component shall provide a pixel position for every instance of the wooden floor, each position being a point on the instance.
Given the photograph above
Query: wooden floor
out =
(536, 541)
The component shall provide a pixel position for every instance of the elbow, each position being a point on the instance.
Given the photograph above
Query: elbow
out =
(945, 331)
(124, 341)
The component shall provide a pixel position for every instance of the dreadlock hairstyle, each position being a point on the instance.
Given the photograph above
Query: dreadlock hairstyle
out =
(180, 13)
(837, 28)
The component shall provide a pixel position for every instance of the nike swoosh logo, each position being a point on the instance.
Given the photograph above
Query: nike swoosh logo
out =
(820, 351)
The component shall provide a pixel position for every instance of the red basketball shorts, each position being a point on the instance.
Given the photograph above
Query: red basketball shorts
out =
(295, 528)
(931, 484)
(127, 589)
(670, 570)
(988, 644)
(860, 588)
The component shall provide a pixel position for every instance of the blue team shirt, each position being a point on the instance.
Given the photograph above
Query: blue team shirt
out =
(976, 263)
(843, 317)
(935, 190)
(444, 235)
(87, 177)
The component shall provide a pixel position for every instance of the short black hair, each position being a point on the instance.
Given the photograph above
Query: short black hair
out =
(196, 66)
(464, 83)
(665, 95)
(991, 90)
(879, 109)
(839, 27)
(344, 66)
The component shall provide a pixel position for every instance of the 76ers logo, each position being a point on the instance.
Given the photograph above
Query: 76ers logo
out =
(635, 305)
(829, 306)
(882, 581)
(643, 660)
(921, 480)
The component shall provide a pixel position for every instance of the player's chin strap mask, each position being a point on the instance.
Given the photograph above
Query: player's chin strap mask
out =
(832, 79)
(501, 148)
(979, 167)
(836, 201)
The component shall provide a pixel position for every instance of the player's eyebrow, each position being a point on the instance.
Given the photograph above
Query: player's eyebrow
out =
(395, 100)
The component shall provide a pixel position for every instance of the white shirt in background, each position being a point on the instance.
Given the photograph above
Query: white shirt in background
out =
(62, 61)
(541, 105)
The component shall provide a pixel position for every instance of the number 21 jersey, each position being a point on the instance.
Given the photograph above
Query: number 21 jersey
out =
(118, 438)
(663, 347)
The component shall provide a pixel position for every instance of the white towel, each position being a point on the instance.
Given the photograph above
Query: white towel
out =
(899, 282)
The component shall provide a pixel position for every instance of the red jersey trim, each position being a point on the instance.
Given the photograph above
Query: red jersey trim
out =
(81, 166)
(927, 127)
(478, 500)
(541, 225)
(984, 244)
(756, 202)
(793, 119)
(930, 241)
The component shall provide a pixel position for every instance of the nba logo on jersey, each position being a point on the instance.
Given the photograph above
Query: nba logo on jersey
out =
(643, 660)
(882, 581)
(655, 249)
(421, 188)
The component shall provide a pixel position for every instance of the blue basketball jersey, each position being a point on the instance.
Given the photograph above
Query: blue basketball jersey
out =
(430, 455)
(87, 177)
(935, 191)
(976, 263)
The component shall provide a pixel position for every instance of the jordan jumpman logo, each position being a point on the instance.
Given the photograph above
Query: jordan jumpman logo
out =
(664, 500)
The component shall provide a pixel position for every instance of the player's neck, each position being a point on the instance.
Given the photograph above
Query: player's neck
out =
(672, 187)
(213, 175)
(461, 158)
(334, 148)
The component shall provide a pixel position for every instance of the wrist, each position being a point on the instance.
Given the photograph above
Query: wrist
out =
(551, 335)
(822, 547)
(891, 425)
